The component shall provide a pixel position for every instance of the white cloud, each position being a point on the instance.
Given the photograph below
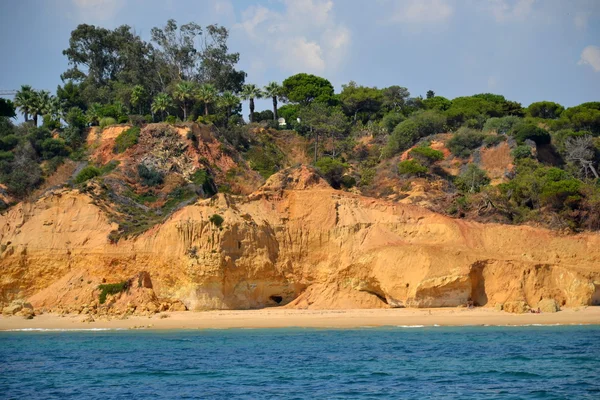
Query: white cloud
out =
(223, 7)
(591, 56)
(304, 37)
(422, 11)
(510, 10)
(581, 20)
(97, 9)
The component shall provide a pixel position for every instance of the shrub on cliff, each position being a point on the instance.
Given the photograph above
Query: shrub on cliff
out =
(127, 139)
(426, 155)
(332, 170)
(472, 179)
(216, 220)
(111, 288)
(149, 176)
(87, 173)
(107, 121)
(411, 167)
(464, 141)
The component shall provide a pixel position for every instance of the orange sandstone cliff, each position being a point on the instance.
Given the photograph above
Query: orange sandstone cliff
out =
(295, 241)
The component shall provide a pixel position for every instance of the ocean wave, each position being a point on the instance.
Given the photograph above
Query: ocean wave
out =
(410, 326)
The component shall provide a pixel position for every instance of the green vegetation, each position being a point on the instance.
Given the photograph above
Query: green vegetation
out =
(106, 122)
(87, 173)
(187, 73)
(531, 132)
(472, 179)
(426, 155)
(332, 170)
(411, 167)
(216, 220)
(149, 176)
(111, 288)
(464, 141)
(127, 139)
(203, 179)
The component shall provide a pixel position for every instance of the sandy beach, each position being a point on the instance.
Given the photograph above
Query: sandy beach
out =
(282, 318)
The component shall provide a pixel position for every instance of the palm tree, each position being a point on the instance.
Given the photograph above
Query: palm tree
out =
(251, 92)
(274, 91)
(93, 113)
(207, 94)
(184, 91)
(54, 108)
(229, 100)
(161, 104)
(24, 100)
(138, 95)
(40, 105)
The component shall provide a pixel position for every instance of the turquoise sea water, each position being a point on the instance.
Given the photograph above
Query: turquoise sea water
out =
(560, 362)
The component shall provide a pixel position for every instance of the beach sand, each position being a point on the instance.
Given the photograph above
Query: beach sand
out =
(283, 318)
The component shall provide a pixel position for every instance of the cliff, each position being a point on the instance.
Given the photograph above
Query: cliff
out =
(294, 242)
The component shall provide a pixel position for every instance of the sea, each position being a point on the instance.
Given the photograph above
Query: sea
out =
(406, 362)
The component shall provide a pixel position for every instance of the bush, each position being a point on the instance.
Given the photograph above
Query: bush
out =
(348, 181)
(464, 141)
(216, 220)
(8, 142)
(472, 179)
(108, 167)
(123, 119)
(203, 179)
(266, 159)
(391, 120)
(429, 122)
(171, 119)
(75, 118)
(50, 123)
(137, 120)
(402, 138)
(54, 148)
(493, 140)
(111, 288)
(522, 151)
(411, 167)
(87, 173)
(126, 139)
(149, 176)
(426, 154)
(332, 170)
(502, 126)
(107, 121)
(7, 156)
(531, 132)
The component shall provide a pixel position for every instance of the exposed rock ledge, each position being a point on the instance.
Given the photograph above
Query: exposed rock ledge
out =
(298, 242)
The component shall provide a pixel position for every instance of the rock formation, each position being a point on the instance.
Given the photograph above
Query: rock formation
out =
(294, 242)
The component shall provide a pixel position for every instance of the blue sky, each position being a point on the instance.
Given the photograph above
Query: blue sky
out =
(527, 50)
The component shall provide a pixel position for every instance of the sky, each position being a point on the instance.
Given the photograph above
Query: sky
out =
(526, 50)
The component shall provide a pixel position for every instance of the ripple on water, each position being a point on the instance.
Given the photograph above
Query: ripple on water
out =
(392, 362)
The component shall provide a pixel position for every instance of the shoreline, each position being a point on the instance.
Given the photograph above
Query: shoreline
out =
(292, 318)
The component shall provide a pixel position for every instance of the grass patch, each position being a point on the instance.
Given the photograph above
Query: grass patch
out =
(111, 288)
(127, 139)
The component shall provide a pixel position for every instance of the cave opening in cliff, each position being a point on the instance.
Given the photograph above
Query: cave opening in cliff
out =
(277, 299)
(478, 294)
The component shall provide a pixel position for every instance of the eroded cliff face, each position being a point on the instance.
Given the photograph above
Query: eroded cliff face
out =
(295, 241)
